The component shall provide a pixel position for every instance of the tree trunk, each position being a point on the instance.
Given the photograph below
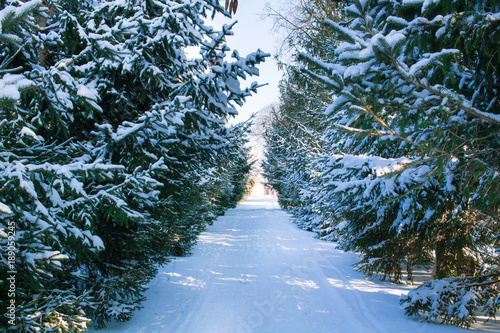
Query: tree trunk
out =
(42, 23)
(441, 268)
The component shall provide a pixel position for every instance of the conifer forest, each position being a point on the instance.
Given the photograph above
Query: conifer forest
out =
(117, 152)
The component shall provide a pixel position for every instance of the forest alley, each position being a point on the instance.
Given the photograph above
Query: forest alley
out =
(255, 271)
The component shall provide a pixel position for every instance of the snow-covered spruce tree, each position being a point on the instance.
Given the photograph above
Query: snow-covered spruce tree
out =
(97, 158)
(415, 127)
(284, 167)
(294, 136)
(232, 186)
(292, 140)
(35, 172)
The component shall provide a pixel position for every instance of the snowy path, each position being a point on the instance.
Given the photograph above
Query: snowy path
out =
(254, 271)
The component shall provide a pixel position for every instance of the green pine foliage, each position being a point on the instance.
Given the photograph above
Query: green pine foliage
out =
(115, 150)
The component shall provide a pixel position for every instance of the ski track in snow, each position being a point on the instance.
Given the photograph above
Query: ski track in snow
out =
(255, 271)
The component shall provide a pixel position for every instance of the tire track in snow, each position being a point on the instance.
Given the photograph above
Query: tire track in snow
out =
(367, 313)
(185, 317)
(213, 248)
(313, 270)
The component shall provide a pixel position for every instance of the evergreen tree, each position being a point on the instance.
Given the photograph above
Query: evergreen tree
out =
(106, 150)
(294, 135)
(409, 173)
(401, 95)
(292, 140)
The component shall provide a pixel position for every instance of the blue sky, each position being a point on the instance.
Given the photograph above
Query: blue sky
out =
(252, 33)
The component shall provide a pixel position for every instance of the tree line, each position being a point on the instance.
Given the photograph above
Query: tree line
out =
(386, 140)
(115, 151)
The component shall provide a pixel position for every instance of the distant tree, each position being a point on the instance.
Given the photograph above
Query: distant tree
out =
(294, 135)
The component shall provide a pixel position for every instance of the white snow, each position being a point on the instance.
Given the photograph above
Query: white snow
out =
(4, 209)
(29, 132)
(96, 240)
(429, 59)
(54, 256)
(412, 2)
(255, 271)
(427, 3)
(490, 116)
(10, 85)
(87, 93)
(493, 17)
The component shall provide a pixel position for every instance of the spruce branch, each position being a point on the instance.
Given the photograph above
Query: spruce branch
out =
(8, 61)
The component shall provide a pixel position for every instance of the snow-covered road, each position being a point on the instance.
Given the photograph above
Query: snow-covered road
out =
(254, 271)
